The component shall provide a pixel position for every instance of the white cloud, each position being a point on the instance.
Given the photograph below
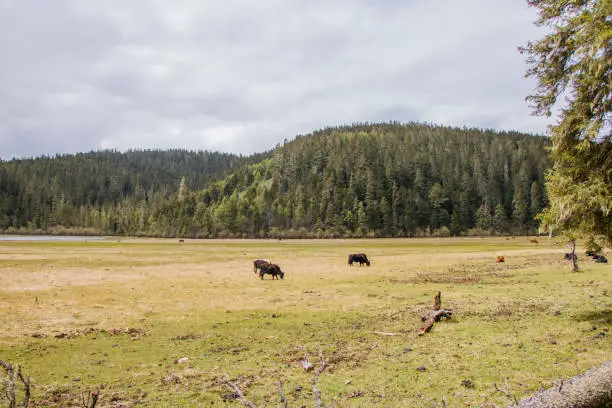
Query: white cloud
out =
(242, 76)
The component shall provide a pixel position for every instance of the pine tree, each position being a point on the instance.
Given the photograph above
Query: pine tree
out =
(574, 60)
(484, 220)
(500, 219)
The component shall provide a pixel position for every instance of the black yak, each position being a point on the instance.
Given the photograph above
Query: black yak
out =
(361, 258)
(271, 269)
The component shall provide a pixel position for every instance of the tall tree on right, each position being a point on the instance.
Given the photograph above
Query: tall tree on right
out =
(574, 62)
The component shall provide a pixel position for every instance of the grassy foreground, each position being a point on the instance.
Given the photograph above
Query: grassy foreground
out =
(119, 314)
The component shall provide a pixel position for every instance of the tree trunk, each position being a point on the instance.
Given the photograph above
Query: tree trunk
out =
(589, 390)
(572, 247)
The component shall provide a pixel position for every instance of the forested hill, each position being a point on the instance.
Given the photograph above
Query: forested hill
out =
(362, 180)
(32, 191)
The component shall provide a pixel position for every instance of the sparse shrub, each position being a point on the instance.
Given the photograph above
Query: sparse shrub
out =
(592, 245)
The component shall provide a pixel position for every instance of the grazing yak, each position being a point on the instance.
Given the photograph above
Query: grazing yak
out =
(271, 269)
(258, 263)
(597, 258)
(600, 259)
(361, 258)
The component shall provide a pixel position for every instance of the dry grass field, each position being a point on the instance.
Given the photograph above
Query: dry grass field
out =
(118, 315)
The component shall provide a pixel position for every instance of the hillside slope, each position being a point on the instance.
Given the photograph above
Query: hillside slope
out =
(385, 179)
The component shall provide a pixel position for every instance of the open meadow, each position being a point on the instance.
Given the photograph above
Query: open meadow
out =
(159, 323)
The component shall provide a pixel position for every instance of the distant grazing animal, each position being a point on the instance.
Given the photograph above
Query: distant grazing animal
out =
(500, 259)
(271, 269)
(361, 258)
(601, 259)
(181, 240)
(570, 256)
(258, 263)
(534, 241)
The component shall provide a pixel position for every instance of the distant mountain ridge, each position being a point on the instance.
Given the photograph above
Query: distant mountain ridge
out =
(382, 179)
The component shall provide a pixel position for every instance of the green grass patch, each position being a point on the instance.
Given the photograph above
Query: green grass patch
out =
(120, 316)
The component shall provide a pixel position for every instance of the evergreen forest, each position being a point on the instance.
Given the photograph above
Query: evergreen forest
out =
(362, 180)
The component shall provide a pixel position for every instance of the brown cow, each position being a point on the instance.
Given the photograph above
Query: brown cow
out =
(258, 263)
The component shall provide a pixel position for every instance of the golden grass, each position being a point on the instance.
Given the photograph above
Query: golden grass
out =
(528, 320)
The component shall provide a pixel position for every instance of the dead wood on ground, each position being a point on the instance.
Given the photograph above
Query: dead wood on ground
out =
(435, 315)
(591, 389)
(237, 391)
(283, 398)
(315, 378)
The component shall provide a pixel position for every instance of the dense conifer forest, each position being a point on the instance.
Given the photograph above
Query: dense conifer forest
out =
(375, 180)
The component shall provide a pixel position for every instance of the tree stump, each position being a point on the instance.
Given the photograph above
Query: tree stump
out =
(435, 315)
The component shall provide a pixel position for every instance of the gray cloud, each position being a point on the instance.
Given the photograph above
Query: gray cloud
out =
(242, 76)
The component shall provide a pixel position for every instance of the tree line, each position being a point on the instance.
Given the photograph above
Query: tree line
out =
(38, 194)
(362, 180)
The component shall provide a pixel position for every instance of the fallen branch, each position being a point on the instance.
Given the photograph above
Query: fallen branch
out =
(435, 315)
(315, 390)
(589, 390)
(238, 392)
(283, 397)
(506, 392)
(385, 333)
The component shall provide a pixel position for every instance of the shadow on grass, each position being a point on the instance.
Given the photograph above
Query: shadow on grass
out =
(602, 316)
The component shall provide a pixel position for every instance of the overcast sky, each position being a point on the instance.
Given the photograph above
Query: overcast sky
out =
(241, 75)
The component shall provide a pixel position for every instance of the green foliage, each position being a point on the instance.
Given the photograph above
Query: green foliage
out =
(592, 244)
(484, 220)
(574, 61)
(384, 179)
(500, 219)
